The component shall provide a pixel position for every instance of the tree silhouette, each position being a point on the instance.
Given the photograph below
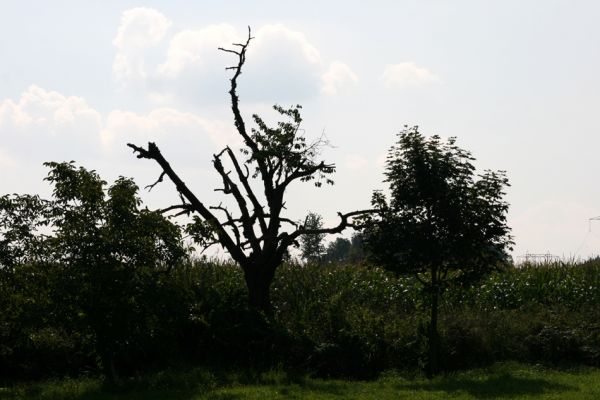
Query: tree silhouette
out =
(102, 255)
(442, 224)
(275, 157)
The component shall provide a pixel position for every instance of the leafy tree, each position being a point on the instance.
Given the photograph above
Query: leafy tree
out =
(105, 250)
(311, 246)
(273, 158)
(442, 223)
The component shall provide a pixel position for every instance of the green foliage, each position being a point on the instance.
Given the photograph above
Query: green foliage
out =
(285, 149)
(440, 221)
(568, 285)
(333, 320)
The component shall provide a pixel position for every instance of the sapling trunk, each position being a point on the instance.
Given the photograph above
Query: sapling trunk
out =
(433, 366)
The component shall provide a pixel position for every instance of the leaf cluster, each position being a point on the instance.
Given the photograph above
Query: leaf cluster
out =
(106, 226)
(285, 151)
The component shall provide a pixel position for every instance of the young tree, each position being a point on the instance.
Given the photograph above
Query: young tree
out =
(311, 246)
(443, 223)
(273, 158)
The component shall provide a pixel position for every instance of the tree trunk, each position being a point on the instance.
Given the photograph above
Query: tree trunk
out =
(258, 281)
(433, 366)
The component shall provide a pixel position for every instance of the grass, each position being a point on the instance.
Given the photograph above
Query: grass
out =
(501, 381)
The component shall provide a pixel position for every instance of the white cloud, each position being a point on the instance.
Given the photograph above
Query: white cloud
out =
(45, 125)
(41, 107)
(196, 49)
(282, 64)
(271, 40)
(338, 77)
(166, 125)
(128, 126)
(49, 126)
(407, 74)
(140, 29)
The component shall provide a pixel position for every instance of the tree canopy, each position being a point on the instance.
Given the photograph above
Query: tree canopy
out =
(440, 212)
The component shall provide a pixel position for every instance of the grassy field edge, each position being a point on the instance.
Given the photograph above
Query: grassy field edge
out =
(500, 381)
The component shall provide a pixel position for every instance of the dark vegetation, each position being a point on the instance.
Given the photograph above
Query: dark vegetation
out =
(336, 320)
(110, 289)
(92, 283)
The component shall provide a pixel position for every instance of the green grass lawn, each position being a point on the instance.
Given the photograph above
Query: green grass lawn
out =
(502, 381)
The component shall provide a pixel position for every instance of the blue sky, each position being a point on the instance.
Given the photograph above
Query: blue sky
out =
(516, 81)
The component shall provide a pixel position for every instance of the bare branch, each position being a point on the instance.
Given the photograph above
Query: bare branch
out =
(287, 220)
(243, 178)
(237, 53)
(238, 120)
(142, 153)
(231, 188)
(230, 222)
(247, 243)
(185, 208)
(336, 229)
(160, 179)
(182, 212)
(153, 153)
(208, 245)
(237, 115)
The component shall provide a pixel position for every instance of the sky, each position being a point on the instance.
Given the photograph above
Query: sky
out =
(516, 82)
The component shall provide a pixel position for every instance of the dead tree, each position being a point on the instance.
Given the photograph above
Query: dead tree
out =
(257, 236)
